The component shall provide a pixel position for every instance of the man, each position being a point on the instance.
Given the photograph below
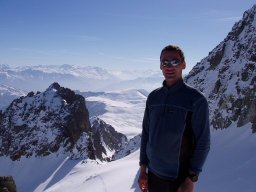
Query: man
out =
(175, 132)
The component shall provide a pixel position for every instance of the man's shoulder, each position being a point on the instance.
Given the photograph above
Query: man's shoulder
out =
(156, 91)
(155, 94)
(194, 92)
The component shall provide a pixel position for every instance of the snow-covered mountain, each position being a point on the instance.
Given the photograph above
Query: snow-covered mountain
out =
(55, 121)
(38, 78)
(39, 124)
(227, 76)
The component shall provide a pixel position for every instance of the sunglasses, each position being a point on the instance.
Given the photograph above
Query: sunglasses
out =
(173, 62)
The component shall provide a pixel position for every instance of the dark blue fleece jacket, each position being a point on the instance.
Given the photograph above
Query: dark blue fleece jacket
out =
(164, 124)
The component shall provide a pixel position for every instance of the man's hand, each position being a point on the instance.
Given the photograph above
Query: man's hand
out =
(186, 186)
(143, 179)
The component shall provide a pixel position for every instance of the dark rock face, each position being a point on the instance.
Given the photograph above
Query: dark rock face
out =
(128, 148)
(216, 57)
(7, 184)
(227, 76)
(42, 123)
(78, 121)
(105, 139)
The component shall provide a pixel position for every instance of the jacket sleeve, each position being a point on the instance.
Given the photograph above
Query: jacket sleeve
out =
(201, 128)
(144, 136)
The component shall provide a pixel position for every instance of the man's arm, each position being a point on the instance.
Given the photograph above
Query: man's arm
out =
(144, 137)
(143, 178)
(201, 129)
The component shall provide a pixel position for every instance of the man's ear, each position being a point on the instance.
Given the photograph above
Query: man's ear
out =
(161, 67)
(183, 65)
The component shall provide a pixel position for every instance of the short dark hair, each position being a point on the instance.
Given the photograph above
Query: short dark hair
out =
(173, 48)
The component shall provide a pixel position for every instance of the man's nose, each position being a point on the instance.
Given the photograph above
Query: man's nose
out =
(169, 67)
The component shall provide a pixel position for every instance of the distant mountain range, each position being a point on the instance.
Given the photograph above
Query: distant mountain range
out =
(38, 78)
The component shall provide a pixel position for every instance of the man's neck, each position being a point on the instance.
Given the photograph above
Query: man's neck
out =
(171, 82)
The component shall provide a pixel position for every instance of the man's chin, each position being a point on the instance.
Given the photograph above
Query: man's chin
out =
(169, 77)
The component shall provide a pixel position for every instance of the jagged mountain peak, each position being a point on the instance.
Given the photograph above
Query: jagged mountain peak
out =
(55, 85)
(44, 123)
(106, 139)
(97, 122)
(227, 76)
(246, 24)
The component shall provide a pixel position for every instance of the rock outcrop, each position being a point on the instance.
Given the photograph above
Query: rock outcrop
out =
(106, 139)
(7, 184)
(43, 123)
(131, 146)
(227, 76)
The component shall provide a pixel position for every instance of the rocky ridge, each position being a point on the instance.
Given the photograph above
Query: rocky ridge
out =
(54, 121)
(106, 139)
(132, 145)
(227, 76)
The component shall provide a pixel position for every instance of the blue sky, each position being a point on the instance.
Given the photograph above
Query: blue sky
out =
(112, 34)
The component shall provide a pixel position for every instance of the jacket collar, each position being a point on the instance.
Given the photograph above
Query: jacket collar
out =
(174, 87)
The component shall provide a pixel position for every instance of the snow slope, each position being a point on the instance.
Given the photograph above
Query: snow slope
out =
(115, 176)
(231, 163)
(230, 168)
(122, 109)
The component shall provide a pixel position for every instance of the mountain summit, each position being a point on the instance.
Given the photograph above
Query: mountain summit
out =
(227, 76)
(55, 121)
(43, 123)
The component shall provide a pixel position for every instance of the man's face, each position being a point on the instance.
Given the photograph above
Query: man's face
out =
(172, 73)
